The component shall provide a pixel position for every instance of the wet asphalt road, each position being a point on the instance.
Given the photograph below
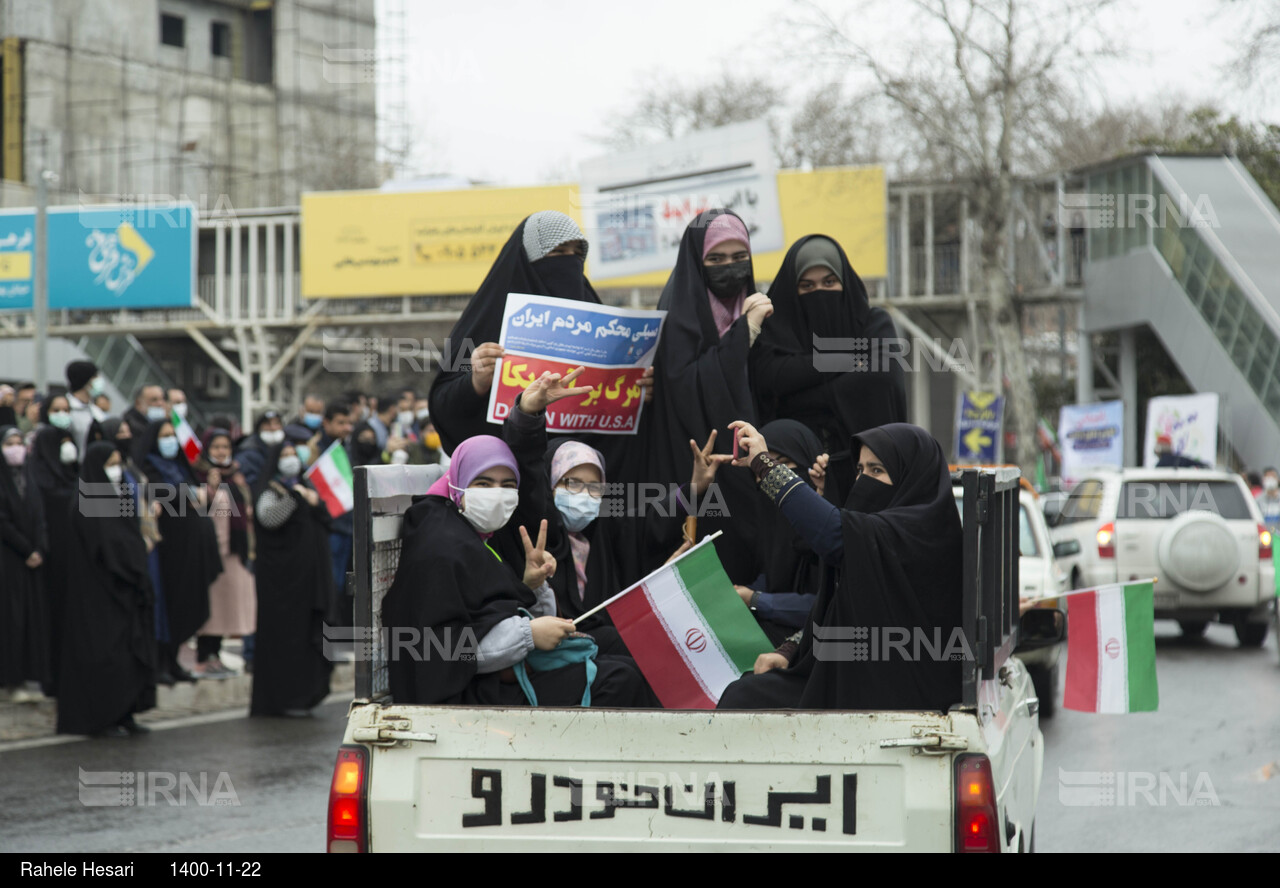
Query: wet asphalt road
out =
(1215, 737)
(1218, 724)
(278, 769)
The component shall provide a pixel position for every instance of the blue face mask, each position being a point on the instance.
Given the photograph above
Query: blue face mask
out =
(312, 420)
(155, 414)
(168, 447)
(304, 453)
(577, 509)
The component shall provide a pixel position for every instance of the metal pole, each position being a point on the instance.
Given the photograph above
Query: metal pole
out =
(41, 297)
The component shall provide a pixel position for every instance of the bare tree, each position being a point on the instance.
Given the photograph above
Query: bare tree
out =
(830, 128)
(1259, 57)
(975, 93)
(827, 127)
(668, 110)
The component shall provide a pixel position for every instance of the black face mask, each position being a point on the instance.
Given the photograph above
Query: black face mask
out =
(869, 495)
(563, 276)
(727, 281)
(367, 453)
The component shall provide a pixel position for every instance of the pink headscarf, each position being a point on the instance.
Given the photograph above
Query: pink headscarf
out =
(570, 455)
(473, 457)
(725, 227)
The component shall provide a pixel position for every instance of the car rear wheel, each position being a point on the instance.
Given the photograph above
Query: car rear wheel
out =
(1251, 635)
(1193, 628)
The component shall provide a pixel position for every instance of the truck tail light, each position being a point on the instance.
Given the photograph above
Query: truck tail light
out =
(1107, 541)
(348, 802)
(1264, 543)
(977, 823)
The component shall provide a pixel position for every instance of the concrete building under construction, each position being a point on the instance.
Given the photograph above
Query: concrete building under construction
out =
(230, 103)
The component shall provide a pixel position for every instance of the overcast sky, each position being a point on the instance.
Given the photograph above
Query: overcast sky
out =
(514, 92)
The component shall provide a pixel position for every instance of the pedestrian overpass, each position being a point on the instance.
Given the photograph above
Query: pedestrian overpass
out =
(1189, 246)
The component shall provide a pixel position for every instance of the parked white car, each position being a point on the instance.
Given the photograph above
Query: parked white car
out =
(1198, 531)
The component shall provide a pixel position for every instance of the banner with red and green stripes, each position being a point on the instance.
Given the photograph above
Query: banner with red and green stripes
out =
(1111, 650)
(332, 478)
(687, 629)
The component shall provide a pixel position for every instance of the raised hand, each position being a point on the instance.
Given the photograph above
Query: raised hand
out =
(483, 360)
(684, 547)
(549, 388)
(750, 443)
(539, 564)
(818, 473)
(646, 384)
(757, 307)
(705, 463)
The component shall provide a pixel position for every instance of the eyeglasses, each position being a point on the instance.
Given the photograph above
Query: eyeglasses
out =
(573, 485)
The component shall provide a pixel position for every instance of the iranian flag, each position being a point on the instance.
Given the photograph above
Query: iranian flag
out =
(1111, 650)
(331, 476)
(187, 439)
(688, 630)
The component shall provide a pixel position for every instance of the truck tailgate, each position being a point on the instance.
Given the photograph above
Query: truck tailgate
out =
(525, 779)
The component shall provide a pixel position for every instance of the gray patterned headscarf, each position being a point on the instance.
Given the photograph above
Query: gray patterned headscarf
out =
(546, 230)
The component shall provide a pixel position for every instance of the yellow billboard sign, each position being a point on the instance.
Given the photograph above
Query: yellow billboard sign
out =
(372, 243)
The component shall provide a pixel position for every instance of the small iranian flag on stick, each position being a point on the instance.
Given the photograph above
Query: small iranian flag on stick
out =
(187, 439)
(331, 477)
(1111, 650)
(688, 630)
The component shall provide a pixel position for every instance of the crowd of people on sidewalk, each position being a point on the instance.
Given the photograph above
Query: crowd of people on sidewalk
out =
(133, 545)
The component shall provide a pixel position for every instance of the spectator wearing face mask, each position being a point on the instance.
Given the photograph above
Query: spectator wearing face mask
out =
(108, 660)
(52, 467)
(312, 413)
(24, 654)
(1269, 499)
(189, 558)
(305, 441)
(232, 602)
(148, 407)
(268, 432)
(290, 672)
(83, 385)
(336, 429)
(29, 417)
(8, 400)
(177, 402)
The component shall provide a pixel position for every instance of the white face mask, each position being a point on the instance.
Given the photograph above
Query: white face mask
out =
(1270, 482)
(289, 466)
(67, 453)
(489, 508)
(272, 438)
(114, 473)
(181, 409)
(400, 457)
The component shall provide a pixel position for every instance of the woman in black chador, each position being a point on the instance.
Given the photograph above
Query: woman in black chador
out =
(840, 388)
(24, 544)
(896, 547)
(108, 629)
(295, 589)
(714, 316)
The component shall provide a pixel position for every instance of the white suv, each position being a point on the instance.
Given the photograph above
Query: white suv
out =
(1198, 531)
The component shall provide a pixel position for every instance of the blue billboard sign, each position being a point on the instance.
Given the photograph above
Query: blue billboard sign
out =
(102, 257)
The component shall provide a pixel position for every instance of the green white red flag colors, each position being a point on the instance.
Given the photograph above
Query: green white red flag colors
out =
(688, 630)
(187, 439)
(1111, 650)
(332, 478)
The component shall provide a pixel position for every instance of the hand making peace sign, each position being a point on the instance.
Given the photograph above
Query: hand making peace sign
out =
(539, 564)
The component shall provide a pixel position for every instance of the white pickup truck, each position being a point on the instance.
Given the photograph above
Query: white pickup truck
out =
(462, 778)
